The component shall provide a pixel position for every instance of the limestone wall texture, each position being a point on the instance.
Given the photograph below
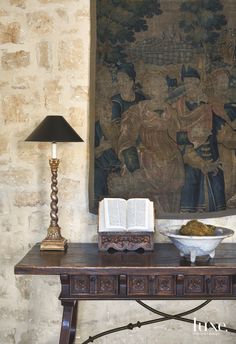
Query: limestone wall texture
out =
(44, 69)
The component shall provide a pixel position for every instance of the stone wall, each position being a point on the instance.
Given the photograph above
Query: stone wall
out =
(44, 65)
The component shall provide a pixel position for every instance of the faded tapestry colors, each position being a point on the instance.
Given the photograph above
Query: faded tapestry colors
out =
(166, 104)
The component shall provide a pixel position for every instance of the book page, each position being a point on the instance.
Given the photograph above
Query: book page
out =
(151, 219)
(114, 214)
(138, 214)
(101, 217)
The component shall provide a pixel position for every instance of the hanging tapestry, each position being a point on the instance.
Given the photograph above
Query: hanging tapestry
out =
(165, 114)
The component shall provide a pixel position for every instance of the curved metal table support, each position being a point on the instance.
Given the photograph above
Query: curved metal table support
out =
(165, 317)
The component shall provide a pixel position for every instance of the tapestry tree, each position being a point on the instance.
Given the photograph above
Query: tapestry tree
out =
(202, 24)
(118, 21)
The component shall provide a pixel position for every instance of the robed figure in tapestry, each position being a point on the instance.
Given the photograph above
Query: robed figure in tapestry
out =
(165, 122)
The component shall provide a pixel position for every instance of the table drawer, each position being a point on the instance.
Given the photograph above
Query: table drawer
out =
(95, 285)
(151, 285)
(207, 285)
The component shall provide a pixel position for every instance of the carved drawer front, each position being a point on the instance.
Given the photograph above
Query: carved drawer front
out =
(194, 285)
(93, 285)
(80, 285)
(221, 285)
(165, 285)
(138, 285)
(107, 285)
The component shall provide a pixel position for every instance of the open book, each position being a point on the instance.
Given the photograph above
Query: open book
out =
(117, 214)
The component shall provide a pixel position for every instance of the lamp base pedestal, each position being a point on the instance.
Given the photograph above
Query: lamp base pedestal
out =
(54, 241)
(53, 245)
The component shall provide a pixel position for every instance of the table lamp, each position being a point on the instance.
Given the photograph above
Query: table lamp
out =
(54, 129)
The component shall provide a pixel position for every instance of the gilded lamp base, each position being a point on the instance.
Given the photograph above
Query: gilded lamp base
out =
(54, 241)
(53, 245)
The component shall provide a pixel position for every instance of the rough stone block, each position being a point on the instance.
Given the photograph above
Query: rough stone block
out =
(3, 273)
(18, 3)
(8, 337)
(4, 143)
(15, 60)
(70, 160)
(15, 177)
(70, 54)
(44, 55)
(22, 83)
(28, 151)
(7, 313)
(40, 22)
(11, 312)
(9, 33)
(80, 92)
(82, 12)
(69, 189)
(30, 336)
(3, 83)
(4, 209)
(3, 291)
(76, 116)
(28, 199)
(62, 14)
(23, 285)
(38, 224)
(3, 12)
(52, 91)
(13, 108)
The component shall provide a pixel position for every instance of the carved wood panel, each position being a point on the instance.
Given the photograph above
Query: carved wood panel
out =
(80, 285)
(138, 285)
(165, 285)
(128, 241)
(194, 285)
(107, 285)
(221, 285)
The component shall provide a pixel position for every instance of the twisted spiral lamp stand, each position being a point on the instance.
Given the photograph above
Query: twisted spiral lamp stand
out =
(54, 129)
(54, 241)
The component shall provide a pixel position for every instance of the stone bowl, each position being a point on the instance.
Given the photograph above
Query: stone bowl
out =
(197, 245)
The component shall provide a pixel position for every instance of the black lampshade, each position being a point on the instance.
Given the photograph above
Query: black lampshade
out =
(54, 129)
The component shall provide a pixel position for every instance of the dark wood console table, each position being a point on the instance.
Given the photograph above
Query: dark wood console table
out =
(87, 274)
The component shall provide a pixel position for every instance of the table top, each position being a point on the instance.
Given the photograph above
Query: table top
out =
(84, 258)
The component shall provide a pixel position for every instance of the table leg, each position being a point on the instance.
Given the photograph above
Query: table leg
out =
(68, 324)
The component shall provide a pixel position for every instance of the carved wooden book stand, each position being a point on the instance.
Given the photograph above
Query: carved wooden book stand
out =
(121, 241)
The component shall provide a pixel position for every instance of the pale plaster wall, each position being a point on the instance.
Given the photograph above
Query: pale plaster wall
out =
(44, 69)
